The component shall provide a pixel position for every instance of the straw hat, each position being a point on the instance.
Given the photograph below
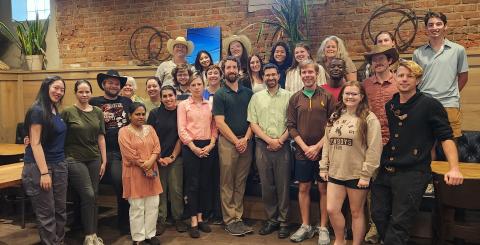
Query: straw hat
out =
(180, 40)
(239, 38)
(390, 52)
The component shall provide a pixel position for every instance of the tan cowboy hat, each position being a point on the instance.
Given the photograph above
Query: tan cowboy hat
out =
(239, 38)
(180, 40)
(390, 52)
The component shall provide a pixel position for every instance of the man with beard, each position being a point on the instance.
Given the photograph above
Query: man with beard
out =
(230, 105)
(307, 115)
(336, 77)
(114, 109)
(267, 114)
(179, 48)
(445, 68)
(380, 87)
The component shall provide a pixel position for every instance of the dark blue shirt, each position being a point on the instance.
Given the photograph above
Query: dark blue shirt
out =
(53, 144)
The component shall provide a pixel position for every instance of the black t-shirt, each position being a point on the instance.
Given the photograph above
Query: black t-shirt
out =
(53, 145)
(115, 117)
(165, 123)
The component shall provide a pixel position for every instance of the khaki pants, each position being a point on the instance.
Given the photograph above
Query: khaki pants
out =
(234, 168)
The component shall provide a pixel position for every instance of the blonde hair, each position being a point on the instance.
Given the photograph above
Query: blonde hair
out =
(414, 68)
(342, 52)
(133, 82)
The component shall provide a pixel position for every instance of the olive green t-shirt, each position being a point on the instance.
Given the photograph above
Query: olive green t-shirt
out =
(83, 129)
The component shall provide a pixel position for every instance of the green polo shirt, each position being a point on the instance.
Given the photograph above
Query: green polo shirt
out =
(233, 105)
(270, 111)
(440, 71)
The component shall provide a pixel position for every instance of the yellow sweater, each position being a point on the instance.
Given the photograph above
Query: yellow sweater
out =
(344, 156)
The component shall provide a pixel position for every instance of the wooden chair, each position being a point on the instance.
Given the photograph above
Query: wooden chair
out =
(452, 204)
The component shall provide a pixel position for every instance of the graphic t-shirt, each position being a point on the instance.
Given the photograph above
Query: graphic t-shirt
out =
(115, 117)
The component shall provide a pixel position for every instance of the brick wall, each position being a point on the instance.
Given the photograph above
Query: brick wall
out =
(97, 32)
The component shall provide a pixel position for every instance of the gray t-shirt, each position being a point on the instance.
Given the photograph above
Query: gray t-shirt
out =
(440, 71)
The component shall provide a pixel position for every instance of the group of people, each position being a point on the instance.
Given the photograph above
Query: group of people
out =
(191, 143)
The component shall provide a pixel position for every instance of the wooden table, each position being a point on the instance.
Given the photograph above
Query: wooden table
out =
(11, 149)
(11, 174)
(11, 153)
(469, 170)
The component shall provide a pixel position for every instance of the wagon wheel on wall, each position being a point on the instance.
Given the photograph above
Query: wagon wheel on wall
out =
(404, 32)
(149, 45)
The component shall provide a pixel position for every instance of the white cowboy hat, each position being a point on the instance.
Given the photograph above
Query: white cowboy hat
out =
(180, 40)
(239, 38)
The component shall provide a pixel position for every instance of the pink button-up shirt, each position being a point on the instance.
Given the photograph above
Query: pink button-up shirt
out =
(195, 121)
(378, 95)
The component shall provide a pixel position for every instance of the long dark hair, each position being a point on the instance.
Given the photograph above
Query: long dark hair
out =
(288, 59)
(45, 103)
(361, 112)
(249, 70)
(243, 59)
(197, 64)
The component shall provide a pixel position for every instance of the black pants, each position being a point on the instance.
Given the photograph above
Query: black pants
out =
(198, 179)
(396, 199)
(216, 201)
(114, 175)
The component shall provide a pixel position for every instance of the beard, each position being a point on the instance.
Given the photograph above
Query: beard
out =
(271, 83)
(231, 77)
(111, 94)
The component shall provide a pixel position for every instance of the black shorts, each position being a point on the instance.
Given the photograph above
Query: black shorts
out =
(351, 183)
(307, 171)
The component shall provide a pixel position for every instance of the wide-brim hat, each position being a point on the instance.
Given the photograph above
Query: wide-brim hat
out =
(180, 40)
(110, 73)
(381, 49)
(239, 38)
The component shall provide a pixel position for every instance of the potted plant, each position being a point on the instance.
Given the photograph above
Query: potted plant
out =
(29, 37)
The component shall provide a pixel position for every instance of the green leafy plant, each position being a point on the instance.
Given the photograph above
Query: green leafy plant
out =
(29, 36)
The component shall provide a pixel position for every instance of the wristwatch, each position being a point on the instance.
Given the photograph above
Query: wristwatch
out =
(172, 157)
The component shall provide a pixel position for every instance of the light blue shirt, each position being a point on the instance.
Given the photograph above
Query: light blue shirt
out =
(440, 71)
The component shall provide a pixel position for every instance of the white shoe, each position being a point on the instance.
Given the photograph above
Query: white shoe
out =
(89, 240)
(323, 236)
(97, 240)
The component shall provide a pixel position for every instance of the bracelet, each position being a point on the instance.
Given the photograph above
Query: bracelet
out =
(44, 174)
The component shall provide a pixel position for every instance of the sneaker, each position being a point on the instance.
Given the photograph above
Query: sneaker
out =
(234, 229)
(323, 236)
(203, 227)
(97, 240)
(372, 235)
(246, 229)
(89, 240)
(303, 233)
(180, 226)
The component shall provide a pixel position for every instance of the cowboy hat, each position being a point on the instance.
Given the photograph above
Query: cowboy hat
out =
(390, 52)
(239, 38)
(180, 40)
(110, 73)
